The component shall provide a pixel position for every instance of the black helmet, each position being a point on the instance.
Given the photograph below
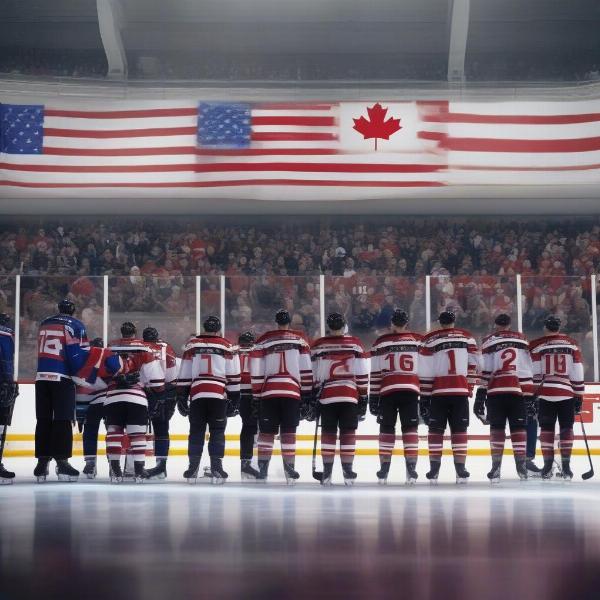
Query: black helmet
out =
(66, 307)
(128, 329)
(4, 320)
(97, 342)
(212, 324)
(399, 318)
(502, 320)
(282, 317)
(150, 334)
(246, 338)
(336, 321)
(552, 323)
(447, 317)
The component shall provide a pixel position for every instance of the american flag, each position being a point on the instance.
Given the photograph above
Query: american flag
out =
(202, 146)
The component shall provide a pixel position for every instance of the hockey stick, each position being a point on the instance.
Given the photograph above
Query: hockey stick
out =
(318, 475)
(8, 423)
(588, 474)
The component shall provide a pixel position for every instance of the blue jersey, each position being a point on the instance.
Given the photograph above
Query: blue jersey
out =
(62, 348)
(7, 354)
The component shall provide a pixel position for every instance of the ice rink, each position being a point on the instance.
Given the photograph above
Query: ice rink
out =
(172, 540)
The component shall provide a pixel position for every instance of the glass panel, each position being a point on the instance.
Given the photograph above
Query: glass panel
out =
(7, 296)
(251, 303)
(39, 297)
(367, 302)
(566, 297)
(165, 302)
(476, 301)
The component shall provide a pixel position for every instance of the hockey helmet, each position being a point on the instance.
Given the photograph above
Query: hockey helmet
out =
(282, 317)
(399, 318)
(150, 334)
(447, 317)
(212, 324)
(502, 320)
(246, 338)
(336, 321)
(66, 307)
(4, 320)
(97, 343)
(128, 329)
(552, 323)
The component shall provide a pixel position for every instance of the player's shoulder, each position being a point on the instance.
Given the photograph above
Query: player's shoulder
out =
(282, 335)
(401, 337)
(6, 331)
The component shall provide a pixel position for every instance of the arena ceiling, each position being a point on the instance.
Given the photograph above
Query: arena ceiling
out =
(525, 39)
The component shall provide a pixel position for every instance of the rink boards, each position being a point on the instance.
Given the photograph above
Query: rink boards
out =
(20, 439)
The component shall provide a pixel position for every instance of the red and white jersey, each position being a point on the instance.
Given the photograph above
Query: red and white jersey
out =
(340, 368)
(136, 356)
(557, 367)
(507, 367)
(211, 366)
(395, 363)
(246, 381)
(93, 393)
(280, 365)
(449, 363)
(167, 358)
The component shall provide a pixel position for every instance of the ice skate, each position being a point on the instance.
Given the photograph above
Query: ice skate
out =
(349, 474)
(191, 473)
(263, 470)
(494, 474)
(521, 469)
(462, 475)
(532, 469)
(546, 472)
(115, 471)
(411, 473)
(41, 470)
(434, 472)
(90, 470)
(140, 471)
(65, 472)
(291, 475)
(248, 472)
(327, 471)
(6, 477)
(383, 472)
(159, 471)
(567, 474)
(217, 475)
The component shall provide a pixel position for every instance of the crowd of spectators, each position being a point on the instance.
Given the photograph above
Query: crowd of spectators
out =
(371, 266)
(50, 62)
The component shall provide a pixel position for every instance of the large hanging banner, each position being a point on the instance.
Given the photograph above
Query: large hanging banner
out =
(283, 151)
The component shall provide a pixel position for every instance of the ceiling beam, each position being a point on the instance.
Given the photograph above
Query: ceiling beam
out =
(459, 32)
(110, 21)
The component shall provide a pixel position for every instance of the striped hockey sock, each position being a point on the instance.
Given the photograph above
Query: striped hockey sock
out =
(328, 442)
(347, 446)
(386, 446)
(265, 445)
(459, 446)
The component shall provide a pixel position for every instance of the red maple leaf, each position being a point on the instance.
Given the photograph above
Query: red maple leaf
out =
(376, 126)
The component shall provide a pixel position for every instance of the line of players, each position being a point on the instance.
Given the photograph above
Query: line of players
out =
(281, 378)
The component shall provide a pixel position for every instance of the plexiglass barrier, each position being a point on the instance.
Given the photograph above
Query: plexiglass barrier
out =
(177, 305)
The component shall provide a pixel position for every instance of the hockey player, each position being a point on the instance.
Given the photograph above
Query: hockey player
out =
(90, 409)
(506, 388)
(208, 390)
(341, 373)
(9, 389)
(281, 374)
(62, 343)
(126, 403)
(449, 366)
(395, 391)
(558, 375)
(161, 407)
(248, 408)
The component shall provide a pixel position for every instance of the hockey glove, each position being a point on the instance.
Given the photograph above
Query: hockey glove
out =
(306, 401)
(8, 394)
(233, 404)
(363, 401)
(425, 409)
(374, 405)
(156, 403)
(127, 380)
(183, 403)
(479, 406)
(578, 404)
(531, 407)
(170, 402)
